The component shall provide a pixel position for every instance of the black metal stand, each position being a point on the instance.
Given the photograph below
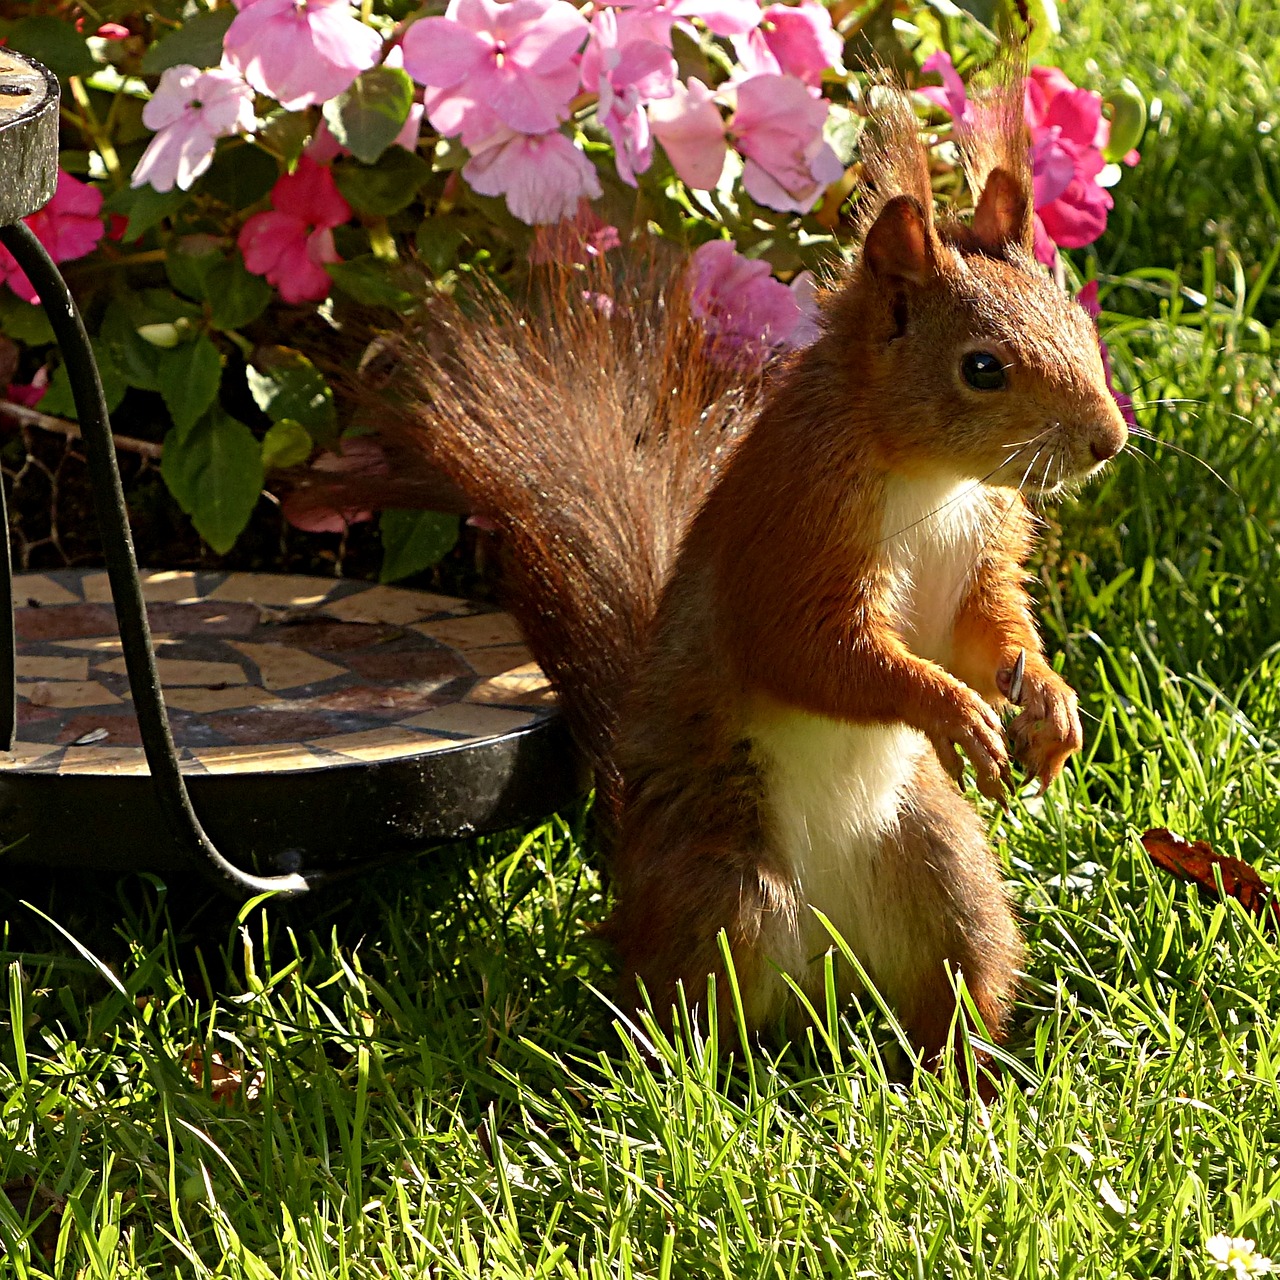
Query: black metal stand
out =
(29, 96)
(122, 570)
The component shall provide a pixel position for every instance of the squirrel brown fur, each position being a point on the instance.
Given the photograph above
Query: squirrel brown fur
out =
(774, 612)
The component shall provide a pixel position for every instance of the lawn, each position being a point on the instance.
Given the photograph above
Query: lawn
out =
(421, 1076)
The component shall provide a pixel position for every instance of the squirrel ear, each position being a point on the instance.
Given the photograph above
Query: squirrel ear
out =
(900, 244)
(1003, 215)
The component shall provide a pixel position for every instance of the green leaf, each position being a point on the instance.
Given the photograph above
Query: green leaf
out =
(59, 401)
(237, 297)
(188, 272)
(367, 280)
(285, 384)
(56, 43)
(197, 42)
(413, 541)
(369, 116)
(137, 359)
(386, 187)
(286, 444)
(145, 207)
(189, 376)
(24, 321)
(1127, 109)
(214, 471)
(240, 175)
(438, 241)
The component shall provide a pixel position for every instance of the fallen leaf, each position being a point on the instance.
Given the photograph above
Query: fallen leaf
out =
(226, 1083)
(31, 1201)
(1194, 862)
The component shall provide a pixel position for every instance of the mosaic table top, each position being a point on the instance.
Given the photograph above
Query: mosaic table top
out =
(265, 673)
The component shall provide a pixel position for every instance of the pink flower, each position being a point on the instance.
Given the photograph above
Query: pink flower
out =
(578, 239)
(29, 393)
(513, 61)
(113, 31)
(299, 51)
(778, 128)
(69, 226)
(543, 176)
(743, 307)
(691, 130)
(358, 456)
(626, 73)
(1088, 299)
(655, 18)
(291, 244)
(190, 110)
(797, 40)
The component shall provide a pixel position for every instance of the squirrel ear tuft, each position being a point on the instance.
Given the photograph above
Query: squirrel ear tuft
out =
(900, 244)
(1003, 215)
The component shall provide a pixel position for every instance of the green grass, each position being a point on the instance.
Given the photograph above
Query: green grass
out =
(438, 1086)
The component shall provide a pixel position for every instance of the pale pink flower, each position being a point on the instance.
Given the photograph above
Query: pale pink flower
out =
(654, 18)
(543, 176)
(778, 129)
(514, 60)
(691, 130)
(113, 31)
(190, 110)
(291, 244)
(69, 226)
(804, 289)
(796, 40)
(300, 52)
(624, 74)
(746, 311)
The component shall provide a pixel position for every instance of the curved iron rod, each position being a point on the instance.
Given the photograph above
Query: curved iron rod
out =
(122, 572)
(8, 640)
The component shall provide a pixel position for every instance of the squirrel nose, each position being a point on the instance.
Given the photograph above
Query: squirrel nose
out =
(1108, 439)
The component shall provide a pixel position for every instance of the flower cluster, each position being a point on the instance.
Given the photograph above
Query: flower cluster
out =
(1069, 135)
(68, 227)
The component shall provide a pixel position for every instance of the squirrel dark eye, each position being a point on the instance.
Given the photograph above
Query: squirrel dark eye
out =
(983, 371)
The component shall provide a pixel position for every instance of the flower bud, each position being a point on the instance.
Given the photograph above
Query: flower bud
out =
(163, 334)
(1127, 110)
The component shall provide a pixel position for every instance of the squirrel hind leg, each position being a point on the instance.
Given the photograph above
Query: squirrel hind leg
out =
(667, 923)
(943, 907)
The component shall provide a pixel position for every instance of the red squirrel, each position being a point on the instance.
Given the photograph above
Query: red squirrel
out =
(776, 614)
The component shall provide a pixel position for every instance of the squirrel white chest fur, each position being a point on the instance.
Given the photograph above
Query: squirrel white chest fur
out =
(832, 789)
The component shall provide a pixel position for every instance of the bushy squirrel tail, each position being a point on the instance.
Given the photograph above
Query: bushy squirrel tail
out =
(587, 427)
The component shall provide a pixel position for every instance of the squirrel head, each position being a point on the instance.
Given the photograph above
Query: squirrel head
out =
(973, 358)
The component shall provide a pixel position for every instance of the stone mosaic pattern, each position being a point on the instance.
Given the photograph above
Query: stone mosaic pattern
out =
(264, 673)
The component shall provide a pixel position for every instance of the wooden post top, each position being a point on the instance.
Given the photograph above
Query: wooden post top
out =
(28, 136)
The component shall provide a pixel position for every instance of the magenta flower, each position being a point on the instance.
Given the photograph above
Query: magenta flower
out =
(624, 74)
(513, 61)
(190, 110)
(543, 176)
(1068, 133)
(691, 130)
(952, 97)
(299, 52)
(29, 393)
(1088, 299)
(778, 129)
(69, 226)
(747, 311)
(290, 244)
(796, 40)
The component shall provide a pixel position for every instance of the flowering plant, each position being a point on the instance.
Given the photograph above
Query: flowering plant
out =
(267, 165)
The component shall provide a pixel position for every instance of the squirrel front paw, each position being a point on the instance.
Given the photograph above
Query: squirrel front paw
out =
(1046, 730)
(965, 720)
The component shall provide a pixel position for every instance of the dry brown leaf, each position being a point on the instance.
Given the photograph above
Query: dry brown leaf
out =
(1194, 862)
(226, 1083)
(34, 1202)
